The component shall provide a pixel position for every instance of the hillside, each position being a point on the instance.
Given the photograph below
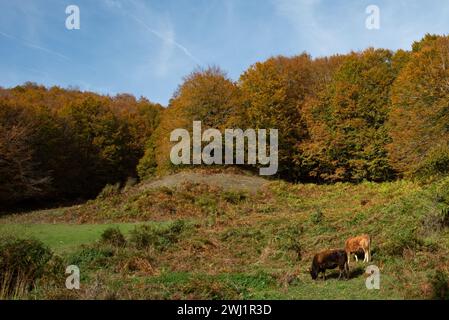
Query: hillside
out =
(206, 239)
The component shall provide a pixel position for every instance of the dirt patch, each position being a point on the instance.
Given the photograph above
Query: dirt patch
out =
(226, 181)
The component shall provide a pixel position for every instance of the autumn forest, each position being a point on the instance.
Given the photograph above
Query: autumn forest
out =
(374, 115)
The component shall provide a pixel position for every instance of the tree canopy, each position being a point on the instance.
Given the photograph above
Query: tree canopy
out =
(372, 115)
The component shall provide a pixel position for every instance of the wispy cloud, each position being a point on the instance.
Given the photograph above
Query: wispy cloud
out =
(166, 34)
(34, 46)
(167, 38)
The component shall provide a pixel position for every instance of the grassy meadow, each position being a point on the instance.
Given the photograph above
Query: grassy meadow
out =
(200, 241)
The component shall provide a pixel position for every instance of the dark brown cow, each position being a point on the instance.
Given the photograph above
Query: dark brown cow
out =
(329, 259)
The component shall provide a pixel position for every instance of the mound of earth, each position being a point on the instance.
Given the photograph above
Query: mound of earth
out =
(226, 181)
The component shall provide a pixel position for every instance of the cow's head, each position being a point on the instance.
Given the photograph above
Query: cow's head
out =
(313, 273)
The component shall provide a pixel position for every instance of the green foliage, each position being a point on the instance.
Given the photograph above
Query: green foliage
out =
(114, 237)
(435, 164)
(147, 166)
(92, 257)
(248, 255)
(22, 263)
(157, 237)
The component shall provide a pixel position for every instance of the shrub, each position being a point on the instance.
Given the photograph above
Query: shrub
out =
(114, 237)
(436, 163)
(92, 257)
(158, 237)
(22, 263)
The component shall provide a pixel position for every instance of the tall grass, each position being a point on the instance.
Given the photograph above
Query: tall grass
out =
(13, 287)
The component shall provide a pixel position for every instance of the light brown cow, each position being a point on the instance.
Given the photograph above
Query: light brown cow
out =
(353, 245)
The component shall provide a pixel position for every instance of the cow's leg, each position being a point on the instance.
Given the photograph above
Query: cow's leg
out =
(356, 258)
(324, 275)
(342, 269)
(367, 255)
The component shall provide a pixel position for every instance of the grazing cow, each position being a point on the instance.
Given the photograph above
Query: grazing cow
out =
(329, 259)
(353, 245)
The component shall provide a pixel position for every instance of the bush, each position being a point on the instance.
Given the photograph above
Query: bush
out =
(114, 237)
(436, 163)
(22, 263)
(92, 257)
(158, 237)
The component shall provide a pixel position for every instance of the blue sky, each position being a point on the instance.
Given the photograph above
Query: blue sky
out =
(146, 47)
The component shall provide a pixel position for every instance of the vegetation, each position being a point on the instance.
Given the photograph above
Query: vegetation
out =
(57, 143)
(22, 263)
(374, 115)
(363, 149)
(210, 245)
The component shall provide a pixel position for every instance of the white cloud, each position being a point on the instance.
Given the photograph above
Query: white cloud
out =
(168, 37)
(34, 46)
(154, 24)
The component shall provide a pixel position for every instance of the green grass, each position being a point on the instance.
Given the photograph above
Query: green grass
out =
(62, 238)
(258, 246)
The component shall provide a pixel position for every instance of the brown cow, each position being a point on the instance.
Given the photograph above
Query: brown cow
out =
(353, 245)
(329, 259)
